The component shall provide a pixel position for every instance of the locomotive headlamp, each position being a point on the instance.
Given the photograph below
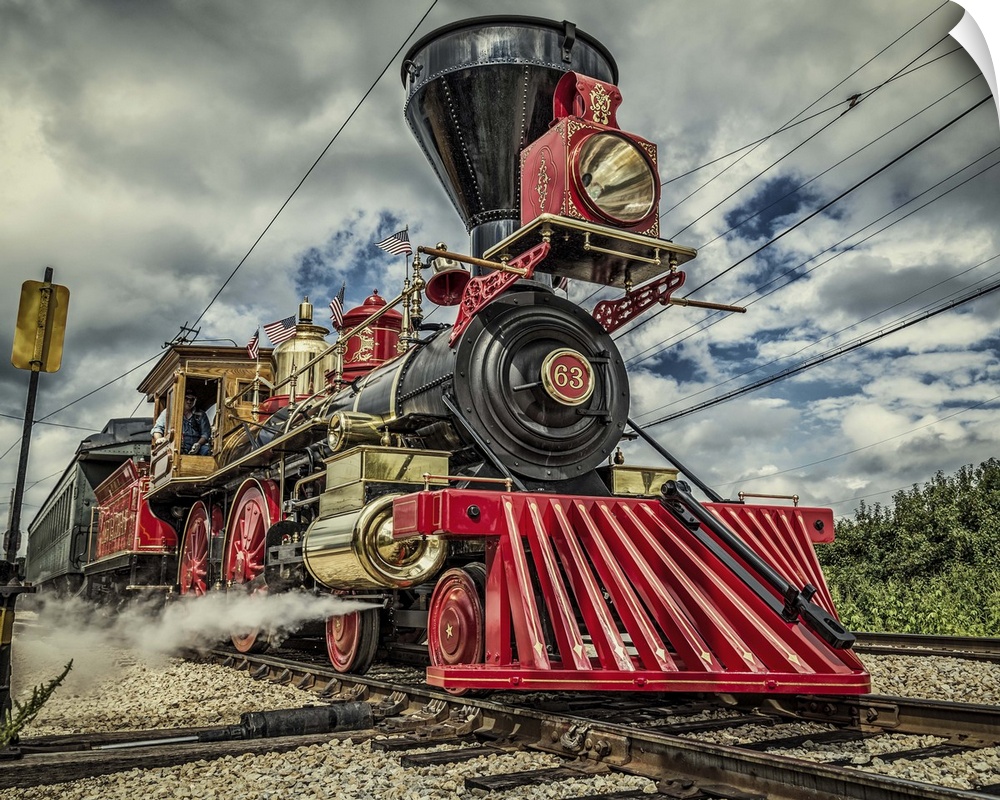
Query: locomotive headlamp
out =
(615, 178)
(584, 167)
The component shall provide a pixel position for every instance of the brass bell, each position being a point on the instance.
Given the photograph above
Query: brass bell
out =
(446, 286)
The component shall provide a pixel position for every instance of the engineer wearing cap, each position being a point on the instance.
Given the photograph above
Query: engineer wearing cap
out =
(195, 430)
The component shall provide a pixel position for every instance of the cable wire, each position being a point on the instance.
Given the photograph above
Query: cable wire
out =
(659, 347)
(859, 449)
(815, 213)
(266, 228)
(829, 91)
(311, 168)
(828, 356)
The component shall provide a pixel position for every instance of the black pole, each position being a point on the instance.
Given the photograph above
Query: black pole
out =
(14, 533)
(712, 495)
(676, 498)
(10, 586)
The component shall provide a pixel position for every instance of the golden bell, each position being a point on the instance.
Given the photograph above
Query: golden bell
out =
(446, 286)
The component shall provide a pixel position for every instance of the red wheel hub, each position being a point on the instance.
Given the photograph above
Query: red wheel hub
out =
(343, 633)
(456, 630)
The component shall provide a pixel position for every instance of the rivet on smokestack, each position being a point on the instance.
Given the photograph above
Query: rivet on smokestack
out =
(480, 90)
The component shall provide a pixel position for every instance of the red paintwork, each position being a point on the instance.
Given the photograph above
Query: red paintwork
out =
(376, 344)
(632, 599)
(126, 525)
(456, 626)
(255, 508)
(271, 404)
(193, 574)
(612, 314)
(343, 637)
(581, 108)
(481, 290)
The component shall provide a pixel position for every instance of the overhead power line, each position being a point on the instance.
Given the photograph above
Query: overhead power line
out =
(856, 100)
(832, 167)
(817, 211)
(659, 347)
(804, 120)
(828, 356)
(262, 234)
(792, 123)
(329, 144)
(859, 449)
(814, 102)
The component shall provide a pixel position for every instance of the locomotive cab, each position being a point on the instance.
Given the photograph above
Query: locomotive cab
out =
(226, 386)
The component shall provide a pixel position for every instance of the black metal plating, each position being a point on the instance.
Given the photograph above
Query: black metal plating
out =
(477, 92)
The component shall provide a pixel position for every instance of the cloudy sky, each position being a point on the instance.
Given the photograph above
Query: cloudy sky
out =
(144, 148)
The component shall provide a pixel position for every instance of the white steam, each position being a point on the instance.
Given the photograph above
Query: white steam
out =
(97, 640)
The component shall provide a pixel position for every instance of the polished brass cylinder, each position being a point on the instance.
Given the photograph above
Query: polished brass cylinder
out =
(356, 550)
(306, 347)
(353, 428)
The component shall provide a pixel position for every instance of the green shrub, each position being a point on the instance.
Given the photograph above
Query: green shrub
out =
(927, 564)
(14, 719)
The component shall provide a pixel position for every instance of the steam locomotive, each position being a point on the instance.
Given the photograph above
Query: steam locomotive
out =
(466, 480)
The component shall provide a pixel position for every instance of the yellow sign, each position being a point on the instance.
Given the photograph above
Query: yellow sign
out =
(41, 327)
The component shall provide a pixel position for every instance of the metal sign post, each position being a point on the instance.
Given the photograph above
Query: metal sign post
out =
(38, 344)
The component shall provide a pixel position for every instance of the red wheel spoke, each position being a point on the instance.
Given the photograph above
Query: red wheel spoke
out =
(193, 567)
(255, 509)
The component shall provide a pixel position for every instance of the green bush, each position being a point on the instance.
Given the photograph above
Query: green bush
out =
(929, 564)
(13, 720)
(959, 602)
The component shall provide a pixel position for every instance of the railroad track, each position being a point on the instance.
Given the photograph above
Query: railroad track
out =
(974, 648)
(691, 747)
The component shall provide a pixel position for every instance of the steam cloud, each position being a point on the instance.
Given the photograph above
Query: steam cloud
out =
(94, 638)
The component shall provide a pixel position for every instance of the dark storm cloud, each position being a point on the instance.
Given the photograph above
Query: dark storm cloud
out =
(763, 214)
(863, 286)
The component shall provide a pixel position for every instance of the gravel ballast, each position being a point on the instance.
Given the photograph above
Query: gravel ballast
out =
(118, 689)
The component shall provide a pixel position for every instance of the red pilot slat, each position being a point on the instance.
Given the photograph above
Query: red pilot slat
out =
(675, 607)
(599, 623)
(619, 594)
(773, 532)
(524, 611)
(717, 606)
(568, 639)
(650, 649)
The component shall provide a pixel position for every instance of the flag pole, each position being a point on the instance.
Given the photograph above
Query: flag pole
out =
(406, 260)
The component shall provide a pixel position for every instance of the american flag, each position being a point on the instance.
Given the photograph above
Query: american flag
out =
(337, 308)
(281, 330)
(397, 244)
(253, 346)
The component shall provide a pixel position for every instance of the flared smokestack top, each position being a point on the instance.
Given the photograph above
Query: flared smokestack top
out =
(478, 91)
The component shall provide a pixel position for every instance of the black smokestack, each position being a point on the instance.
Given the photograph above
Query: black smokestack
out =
(478, 91)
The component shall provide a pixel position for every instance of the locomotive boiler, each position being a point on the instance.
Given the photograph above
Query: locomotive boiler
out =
(465, 480)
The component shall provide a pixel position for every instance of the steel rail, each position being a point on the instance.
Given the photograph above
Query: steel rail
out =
(973, 648)
(660, 755)
(673, 760)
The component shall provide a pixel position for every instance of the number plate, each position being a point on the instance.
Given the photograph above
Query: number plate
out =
(568, 377)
